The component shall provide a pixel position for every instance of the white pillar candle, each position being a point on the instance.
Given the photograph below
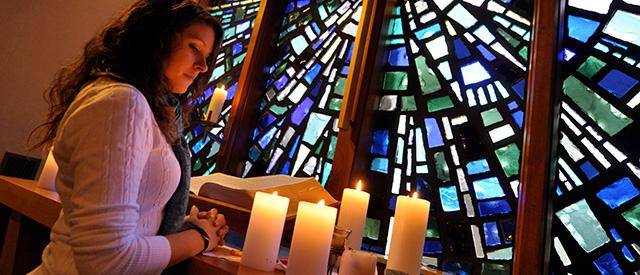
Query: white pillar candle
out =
(407, 238)
(47, 179)
(311, 242)
(357, 262)
(215, 104)
(353, 214)
(262, 241)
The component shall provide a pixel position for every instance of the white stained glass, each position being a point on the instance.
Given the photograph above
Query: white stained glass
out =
(583, 225)
(456, 89)
(618, 27)
(275, 158)
(476, 3)
(459, 120)
(287, 136)
(469, 206)
(637, 3)
(414, 47)
(350, 29)
(447, 128)
(247, 168)
(310, 34)
(469, 37)
(634, 101)
(495, 7)
(399, 151)
(572, 175)
(437, 47)
(569, 123)
(501, 89)
(482, 97)
(462, 181)
(421, 169)
(427, 17)
(420, 152)
(450, 29)
(596, 153)
(634, 169)
(599, 6)
(299, 44)
(395, 186)
(442, 4)
(388, 103)
(501, 50)
(620, 157)
(329, 53)
(518, 18)
(477, 242)
(560, 250)
(297, 93)
(386, 249)
(471, 98)
(484, 34)
(401, 125)
(462, 16)
(445, 70)
(421, 6)
(572, 149)
(492, 93)
(601, 47)
(501, 133)
(573, 114)
(310, 165)
(515, 187)
(302, 155)
(474, 73)
(504, 22)
(594, 133)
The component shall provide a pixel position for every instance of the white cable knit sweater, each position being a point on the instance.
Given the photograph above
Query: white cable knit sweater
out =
(117, 172)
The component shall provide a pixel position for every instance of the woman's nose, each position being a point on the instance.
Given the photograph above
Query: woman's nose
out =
(201, 65)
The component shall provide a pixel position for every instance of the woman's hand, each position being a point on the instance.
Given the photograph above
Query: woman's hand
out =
(208, 223)
(218, 221)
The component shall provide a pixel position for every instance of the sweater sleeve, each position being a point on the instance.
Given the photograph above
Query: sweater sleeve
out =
(109, 139)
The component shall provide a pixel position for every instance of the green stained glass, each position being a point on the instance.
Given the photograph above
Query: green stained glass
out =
(332, 147)
(396, 26)
(490, 117)
(317, 123)
(322, 12)
(340, 84)
(441, 167)
(408, 103)
(580, 221)
(524, 53)
(509, 157)
(432, 228)
(278, 110)
(371, 229)
(428, 81)
(299, 44)
(633, 216)
(513, 41)
(501, 254)
(395, 81)
(440, 103)
(610, 119)
(335, 104)
(495, 269)
(238, 59)
(591, 66)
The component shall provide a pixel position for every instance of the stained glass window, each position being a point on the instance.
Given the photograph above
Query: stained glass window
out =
(298, 125)
(449, 126)
(596, 226)
(237, 19)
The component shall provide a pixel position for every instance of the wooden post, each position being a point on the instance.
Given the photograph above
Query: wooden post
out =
(244, 114)
(538, 164)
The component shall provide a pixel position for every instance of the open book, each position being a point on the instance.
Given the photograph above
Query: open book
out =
(241, 191)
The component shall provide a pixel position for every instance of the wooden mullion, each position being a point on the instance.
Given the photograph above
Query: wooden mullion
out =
(532, 242)
(251, 86)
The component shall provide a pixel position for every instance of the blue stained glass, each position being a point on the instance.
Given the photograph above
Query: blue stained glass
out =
(627, 254)
(518, 116)
(461, 50)
(208, 93)
(615, 235)
(317, 88)
(236, 48)
(299, 44)
(473, 73)
(618, 192)
(380, 165)
(302, 3)
(285, 168)
(254, 153)
(519, 88)
(433, 133)
(449, 198)
(581, 28)
(432, 248)
(240, 28)
(231, 91)
(491, 236)
(619, 27)
(266, 120)
(392, 202)
(313, 72)
(380, 142)
(315, 28)
(486, 53)
(607, 264)
(345, 70)
(589, 170)
(617, 83)
(488, 188)
(428, 32)
(198, 130)
(295, 146)
(477, 167)
(512, 105)
(282, 80)
(398, 57)
(266, 138)
(558, 191)
(201, 143)
(615, 43)
(301, 111)
(508, 229)
(488, 208)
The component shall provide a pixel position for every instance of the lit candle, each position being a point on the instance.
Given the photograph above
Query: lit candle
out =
(353, 213)
(215, 104)
(47, 179)
(357, 262)
(311, 242)
(262, 242)
(407, 238)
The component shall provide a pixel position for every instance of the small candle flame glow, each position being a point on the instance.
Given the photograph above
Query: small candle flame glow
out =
(359, 185)
(223, 87)
(275, 193)
(321, 202)
(415, 195)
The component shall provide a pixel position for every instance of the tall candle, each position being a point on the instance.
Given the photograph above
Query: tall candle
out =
(407, 238)
(357, 262)
(311, 242)
(353, 214)
(262, 241)
(47, 179)
(215, 105)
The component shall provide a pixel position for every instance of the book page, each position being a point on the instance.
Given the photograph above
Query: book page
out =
(217, 178)
(267, 182)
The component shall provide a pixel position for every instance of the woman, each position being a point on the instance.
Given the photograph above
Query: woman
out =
(113, 125)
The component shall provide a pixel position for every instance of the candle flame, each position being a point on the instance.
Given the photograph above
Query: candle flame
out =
(321, 202)
(415, 195)
(223, 87)
(275, 193)
(359, 185)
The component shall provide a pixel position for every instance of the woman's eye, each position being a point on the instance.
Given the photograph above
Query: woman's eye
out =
(194, 48)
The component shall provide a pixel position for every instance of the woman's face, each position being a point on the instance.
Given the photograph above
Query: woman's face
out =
(188, 57)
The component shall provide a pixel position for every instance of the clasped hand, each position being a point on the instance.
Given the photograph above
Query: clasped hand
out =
(212, 222)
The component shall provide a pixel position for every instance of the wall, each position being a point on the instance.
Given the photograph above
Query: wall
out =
(37, 38)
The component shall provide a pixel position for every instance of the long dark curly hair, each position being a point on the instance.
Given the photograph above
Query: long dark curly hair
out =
(132, 48)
